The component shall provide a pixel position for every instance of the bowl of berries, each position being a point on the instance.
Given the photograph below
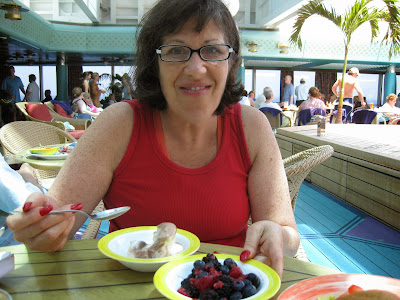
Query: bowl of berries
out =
(216, 276)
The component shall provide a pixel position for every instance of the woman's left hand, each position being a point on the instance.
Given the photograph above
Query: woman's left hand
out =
(264, 242)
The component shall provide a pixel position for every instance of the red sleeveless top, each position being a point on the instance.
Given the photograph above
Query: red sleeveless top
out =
(212, 201)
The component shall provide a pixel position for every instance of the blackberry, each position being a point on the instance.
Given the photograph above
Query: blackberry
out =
(191, 288)
(254, 279)
(227, 288)
(212, 259)
(209, 294)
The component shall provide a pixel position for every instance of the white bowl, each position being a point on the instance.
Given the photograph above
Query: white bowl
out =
(168, 278)
(116, 244)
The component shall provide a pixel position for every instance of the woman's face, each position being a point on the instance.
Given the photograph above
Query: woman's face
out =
(194, 88)
(392, 102)
(251, 95)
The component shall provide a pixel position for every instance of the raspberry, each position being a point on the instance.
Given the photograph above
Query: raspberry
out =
(204, 283)
(184, 292)
(236, 272)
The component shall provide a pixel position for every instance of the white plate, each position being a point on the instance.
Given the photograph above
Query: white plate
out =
(168, 278)
(116, 244)
(57, 155)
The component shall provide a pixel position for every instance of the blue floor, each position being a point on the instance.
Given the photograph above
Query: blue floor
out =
(337, 235)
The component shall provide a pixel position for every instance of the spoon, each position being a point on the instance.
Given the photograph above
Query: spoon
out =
(107, 214)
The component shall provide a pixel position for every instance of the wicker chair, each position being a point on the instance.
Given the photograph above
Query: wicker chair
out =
(79, 124)
(94, 225)
(23, 135)
(299, 165)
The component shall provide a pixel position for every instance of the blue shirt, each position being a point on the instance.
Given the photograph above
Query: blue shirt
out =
(287, 92)
(13, 86)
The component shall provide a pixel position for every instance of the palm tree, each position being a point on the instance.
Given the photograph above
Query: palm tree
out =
(356, 16)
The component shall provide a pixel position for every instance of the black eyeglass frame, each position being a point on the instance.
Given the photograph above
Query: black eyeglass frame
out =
(230, 50)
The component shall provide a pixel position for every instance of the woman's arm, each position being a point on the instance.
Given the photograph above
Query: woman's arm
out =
(274, 231)
(84, 178)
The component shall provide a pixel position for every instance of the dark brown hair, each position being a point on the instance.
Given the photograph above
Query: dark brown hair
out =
(169, 16)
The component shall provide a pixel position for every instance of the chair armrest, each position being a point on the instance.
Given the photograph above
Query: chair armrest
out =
(288, 118)
(79, 124)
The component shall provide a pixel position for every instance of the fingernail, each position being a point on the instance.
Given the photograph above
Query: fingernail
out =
(27, 206)
(77, 206)
(244, 255)
(45, 210)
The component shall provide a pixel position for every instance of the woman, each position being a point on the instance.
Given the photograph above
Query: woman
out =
(313, 100)
(389, 110)
(85, 78)
(127, 90)
(251, 97)
(186, 152)
(95, 92)
(80, 106)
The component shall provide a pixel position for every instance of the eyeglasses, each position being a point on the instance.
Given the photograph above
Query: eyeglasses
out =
(178, 53)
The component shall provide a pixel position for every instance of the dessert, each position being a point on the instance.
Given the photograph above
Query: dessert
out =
(44, 150)
(163, 244)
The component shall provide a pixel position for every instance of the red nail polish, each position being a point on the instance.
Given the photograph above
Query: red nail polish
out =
(27, 206)
(216, 252)
(45, 210)
(77, 206)
(244, 255)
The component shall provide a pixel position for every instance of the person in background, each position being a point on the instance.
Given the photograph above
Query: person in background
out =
(32, 91)
(244, 100)
(261, 98)
(251, 97)
(95, 92)
(127, 90)
(301, 92)
(85, 78)
(186, 126)
(15, 187)
(288, 92)
(80, 106)
(389, 110)
(351, 83)
(47, 96)
(398, 102)
(357, 103)
(269, 98)
(11, 85)
(313, 100)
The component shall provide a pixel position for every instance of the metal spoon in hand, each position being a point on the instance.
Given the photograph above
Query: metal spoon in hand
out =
(107, 214)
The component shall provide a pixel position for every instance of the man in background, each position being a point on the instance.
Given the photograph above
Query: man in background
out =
(351, 83)
(301, 92)
(32, 91)
(288, 92)
(261, 98)
(11, 85)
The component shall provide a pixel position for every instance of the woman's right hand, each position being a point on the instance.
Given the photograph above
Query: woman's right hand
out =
(38, 230)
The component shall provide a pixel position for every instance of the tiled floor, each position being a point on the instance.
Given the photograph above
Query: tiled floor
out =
(337, 235)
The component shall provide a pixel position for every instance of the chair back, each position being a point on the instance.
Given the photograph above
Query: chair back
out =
(364, 116)
(346, 111)
(304, 116)
(273, 115)
(299, 165)
(22, 135)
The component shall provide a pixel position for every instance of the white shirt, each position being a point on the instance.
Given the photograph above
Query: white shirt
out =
(301, 92)
(244, 101)
(271, 104)
(389, 109)
(33, 88)
(260, 99)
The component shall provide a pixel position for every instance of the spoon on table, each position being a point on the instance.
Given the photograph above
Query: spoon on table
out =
(107, 214)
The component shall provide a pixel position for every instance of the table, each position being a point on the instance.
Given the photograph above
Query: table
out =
(81, 271)
(291, 113)
(43, 164)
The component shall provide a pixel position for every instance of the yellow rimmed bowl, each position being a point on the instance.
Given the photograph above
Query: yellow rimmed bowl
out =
(44, 150)
(116, 244)
(168, 278)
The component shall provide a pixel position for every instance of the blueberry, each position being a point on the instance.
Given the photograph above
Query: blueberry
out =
(209, 265)
(238, 285)
(202, 274)
(254, 279)
(249, 290)
(225, 270)
(236, 296)
(247, 282)
(229, 262)
(199, 264)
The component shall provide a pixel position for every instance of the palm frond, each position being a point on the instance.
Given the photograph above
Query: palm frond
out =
(308, 10)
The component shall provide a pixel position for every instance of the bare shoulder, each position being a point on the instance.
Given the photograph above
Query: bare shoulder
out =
(256, 128)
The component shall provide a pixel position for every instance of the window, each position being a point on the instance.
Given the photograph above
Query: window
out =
(49, 80)
(23, 72)
(248, 80)
(308, 76)
(271, 78)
